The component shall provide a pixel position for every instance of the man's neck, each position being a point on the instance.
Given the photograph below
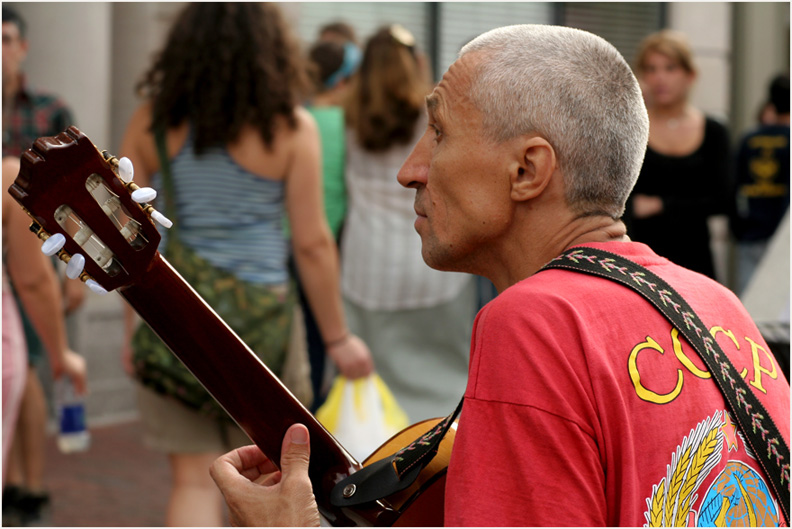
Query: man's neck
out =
(600, 228)
(534, 250)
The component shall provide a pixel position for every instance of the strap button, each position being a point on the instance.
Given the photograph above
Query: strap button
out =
(349, 490)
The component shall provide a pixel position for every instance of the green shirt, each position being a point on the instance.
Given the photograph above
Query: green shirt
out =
(330, 120)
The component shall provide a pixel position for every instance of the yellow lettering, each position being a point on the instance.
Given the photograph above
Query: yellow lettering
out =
(642, 392)
(714, 332)
(680, 354)
(758, 369)
(768, 142)
(764, 189)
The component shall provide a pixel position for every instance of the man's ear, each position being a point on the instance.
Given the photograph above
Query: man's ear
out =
(531, 172)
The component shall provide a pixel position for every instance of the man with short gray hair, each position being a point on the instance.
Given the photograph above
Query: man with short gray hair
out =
(584, 405)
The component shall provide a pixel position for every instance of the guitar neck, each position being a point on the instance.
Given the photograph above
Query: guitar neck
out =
(251, 394)
(72, 190)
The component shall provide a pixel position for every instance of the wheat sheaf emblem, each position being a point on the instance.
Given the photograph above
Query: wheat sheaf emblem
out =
(672, 498)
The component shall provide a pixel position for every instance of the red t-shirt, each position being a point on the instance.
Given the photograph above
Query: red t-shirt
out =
(584, 407)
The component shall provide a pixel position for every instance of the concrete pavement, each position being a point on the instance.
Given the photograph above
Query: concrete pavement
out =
(118, 482)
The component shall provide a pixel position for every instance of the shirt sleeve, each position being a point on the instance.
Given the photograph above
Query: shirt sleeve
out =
(515, 465)
(526, 450)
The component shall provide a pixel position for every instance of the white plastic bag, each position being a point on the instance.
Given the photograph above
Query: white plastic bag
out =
(362, 414)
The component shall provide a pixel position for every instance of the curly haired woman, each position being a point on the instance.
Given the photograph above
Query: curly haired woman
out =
(242, 154)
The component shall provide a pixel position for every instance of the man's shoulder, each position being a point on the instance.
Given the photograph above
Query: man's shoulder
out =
(554, 282)
(561, 288)
(543, 297)
(540, 286)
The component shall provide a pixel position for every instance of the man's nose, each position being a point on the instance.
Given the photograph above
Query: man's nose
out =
(415, 169)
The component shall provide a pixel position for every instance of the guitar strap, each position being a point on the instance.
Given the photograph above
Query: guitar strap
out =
(758, 427)
(398, 471)
(393, 473)
(167, 180)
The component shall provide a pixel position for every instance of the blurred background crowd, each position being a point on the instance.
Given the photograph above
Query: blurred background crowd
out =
(346, 100)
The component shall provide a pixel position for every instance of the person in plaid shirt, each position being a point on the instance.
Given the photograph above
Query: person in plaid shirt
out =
(27, 113)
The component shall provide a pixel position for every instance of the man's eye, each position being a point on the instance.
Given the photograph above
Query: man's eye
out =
(436, 130)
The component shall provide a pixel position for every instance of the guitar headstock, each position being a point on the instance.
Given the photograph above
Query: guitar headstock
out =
(69, 188)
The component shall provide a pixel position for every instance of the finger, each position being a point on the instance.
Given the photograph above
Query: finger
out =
(368, 367)
(267, 480)
(296, 451)
(80, 383)
(57, 369)
(251, 456)
(225, 469)
(362, 369)
(354, 375)
(75, 369)
(236, 464)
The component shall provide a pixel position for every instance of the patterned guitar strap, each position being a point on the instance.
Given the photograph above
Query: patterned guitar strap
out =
(756, 424)
(395, 472)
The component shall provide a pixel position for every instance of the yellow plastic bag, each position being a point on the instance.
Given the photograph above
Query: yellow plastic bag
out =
(362, 414)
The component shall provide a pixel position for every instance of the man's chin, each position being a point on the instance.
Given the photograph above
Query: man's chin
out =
(438, 261)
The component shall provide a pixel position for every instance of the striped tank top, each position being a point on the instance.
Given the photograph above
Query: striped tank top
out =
(228, 215)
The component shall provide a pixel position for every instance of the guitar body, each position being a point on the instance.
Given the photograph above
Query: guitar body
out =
(422, 503)
(69, 188)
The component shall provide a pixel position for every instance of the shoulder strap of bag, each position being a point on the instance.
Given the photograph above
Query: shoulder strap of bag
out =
(754, 421)
(167, 185)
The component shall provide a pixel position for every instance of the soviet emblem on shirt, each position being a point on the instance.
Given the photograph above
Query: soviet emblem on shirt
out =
(690, 495)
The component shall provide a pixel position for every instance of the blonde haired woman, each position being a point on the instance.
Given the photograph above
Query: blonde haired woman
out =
(416, 320)
(685, 176)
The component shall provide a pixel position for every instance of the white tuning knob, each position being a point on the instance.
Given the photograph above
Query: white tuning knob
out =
(144, 194)
(162, 219)
(75, 266)
(125, 170)
(53, 244)
(96, 287)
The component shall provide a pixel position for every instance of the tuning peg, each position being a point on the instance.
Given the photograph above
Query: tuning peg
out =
(75, 266)
(53, 244)
(96, 287)
(125, 169)
(162, 219)
(144, 194)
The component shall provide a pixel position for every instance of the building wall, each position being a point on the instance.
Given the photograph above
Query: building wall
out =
(67, 59)
(760, 52)
(709, 30)
(138, 32)
(708, 27)
(92, 54)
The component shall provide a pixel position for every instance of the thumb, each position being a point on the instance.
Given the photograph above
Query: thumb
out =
(296, 451)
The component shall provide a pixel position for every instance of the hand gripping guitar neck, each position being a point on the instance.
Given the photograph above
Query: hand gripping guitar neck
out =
(88, 211)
